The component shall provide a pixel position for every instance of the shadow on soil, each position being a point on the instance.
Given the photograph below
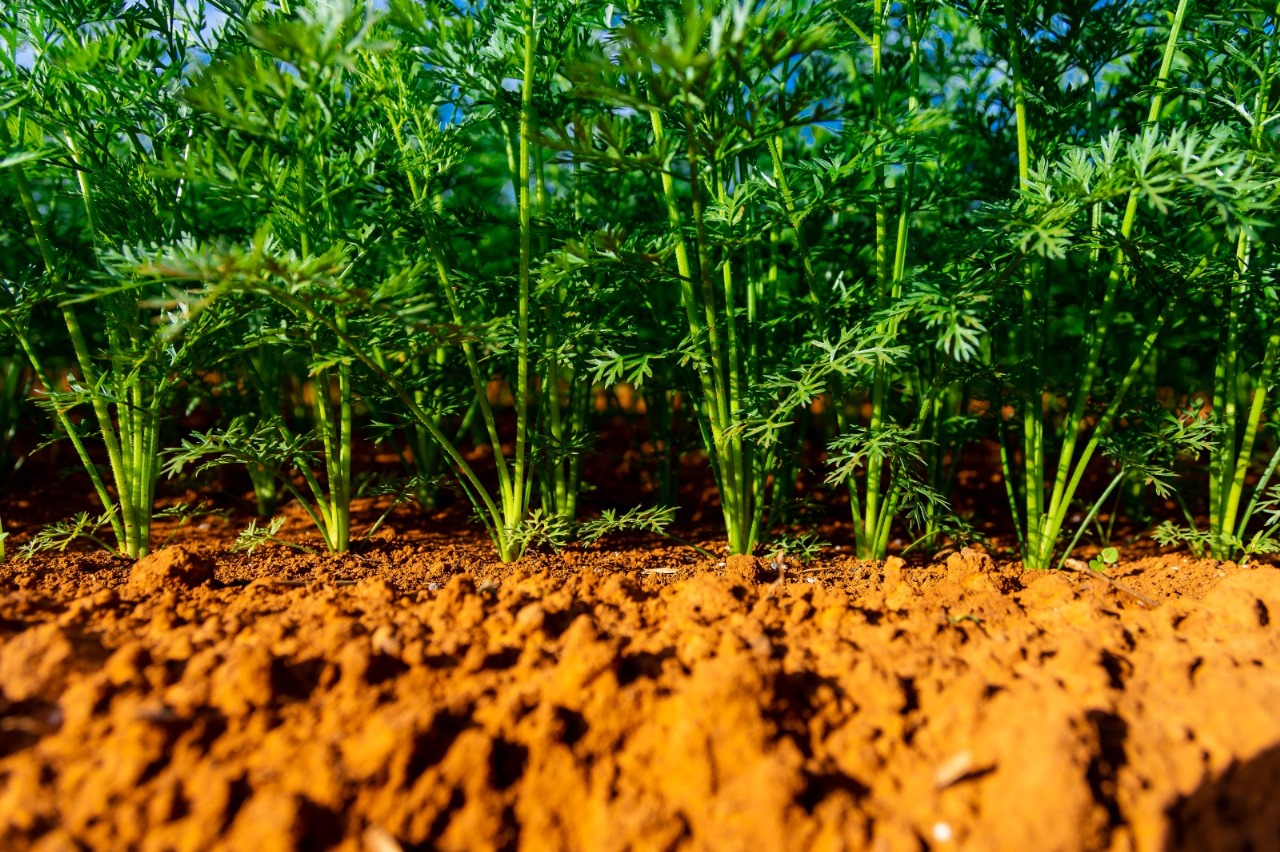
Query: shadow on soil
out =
(1240, 810)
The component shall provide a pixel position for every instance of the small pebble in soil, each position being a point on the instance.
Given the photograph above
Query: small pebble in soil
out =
(385, 641)
(942, 832)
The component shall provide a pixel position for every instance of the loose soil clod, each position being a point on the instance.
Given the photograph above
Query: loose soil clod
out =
(172, 567)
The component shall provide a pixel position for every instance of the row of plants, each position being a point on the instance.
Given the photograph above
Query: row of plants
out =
(855, 239)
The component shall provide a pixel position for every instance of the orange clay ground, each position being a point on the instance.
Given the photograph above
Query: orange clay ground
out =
(421, 695)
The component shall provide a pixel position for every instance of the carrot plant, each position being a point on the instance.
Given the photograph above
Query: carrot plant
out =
(279, 106)
(868, 239)
(1079, 217)
(887, 182)
(494, 71)
(369, 259)
(1231, 80)
(87, 117)
(700, 100)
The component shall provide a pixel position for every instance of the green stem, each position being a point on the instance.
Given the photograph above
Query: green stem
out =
(714, 396)
(811, 281)
(1030, 343)
(341, 490)
(730, 489)
(1258, 492)
(516, 501)
(744, 510)
(321, 391)
(1011, 480)
(688, 296)
(875, 474)
(1252, 428)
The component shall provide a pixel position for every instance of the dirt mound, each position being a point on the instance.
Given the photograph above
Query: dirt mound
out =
(962, 705)
(170, 568)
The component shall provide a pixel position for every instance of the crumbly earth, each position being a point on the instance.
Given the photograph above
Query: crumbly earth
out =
(422, 696)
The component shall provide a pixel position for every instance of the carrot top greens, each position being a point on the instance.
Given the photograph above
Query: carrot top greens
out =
(848, 248)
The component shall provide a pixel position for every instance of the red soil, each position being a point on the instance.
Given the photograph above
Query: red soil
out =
(421, 695)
